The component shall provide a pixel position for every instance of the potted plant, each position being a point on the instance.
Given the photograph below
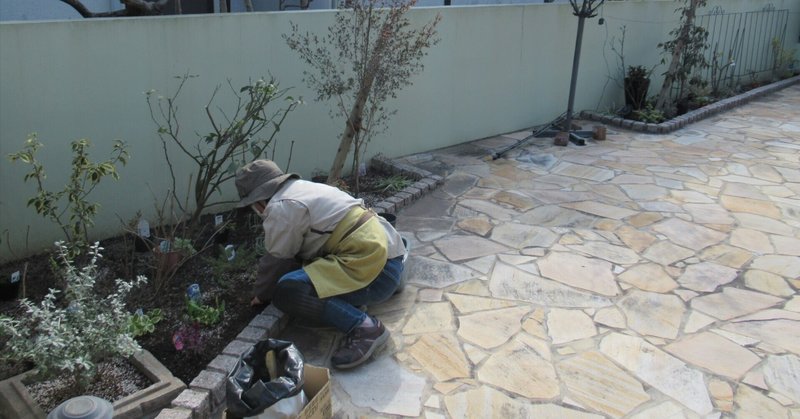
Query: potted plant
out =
(637, 83)
(70, 333)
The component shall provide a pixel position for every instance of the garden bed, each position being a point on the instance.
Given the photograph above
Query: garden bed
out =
(693, 115)
(120, 260)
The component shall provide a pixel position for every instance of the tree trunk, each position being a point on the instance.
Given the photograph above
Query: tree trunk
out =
(677, 52)
(248, 5)
(178, 7)
(223, 6)
(356, 116)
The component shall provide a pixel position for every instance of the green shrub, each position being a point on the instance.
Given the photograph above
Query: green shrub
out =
(72, 335)
(205, 314)
(140, 324)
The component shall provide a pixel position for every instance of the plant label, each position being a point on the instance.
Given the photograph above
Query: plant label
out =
(217, 220)
(14, 277)
(164, 246)
(193, 292)
(144, 228)
(230, 252)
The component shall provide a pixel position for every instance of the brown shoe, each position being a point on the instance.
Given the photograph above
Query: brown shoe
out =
(359, 345)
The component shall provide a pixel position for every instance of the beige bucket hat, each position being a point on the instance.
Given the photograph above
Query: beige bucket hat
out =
(259, 180)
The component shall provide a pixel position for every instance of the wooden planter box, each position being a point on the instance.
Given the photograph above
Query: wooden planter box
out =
(16, 402)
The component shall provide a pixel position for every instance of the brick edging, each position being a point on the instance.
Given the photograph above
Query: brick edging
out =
(691, 116)
(205, 396)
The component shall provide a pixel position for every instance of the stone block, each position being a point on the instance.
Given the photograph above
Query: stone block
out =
(422, 186)
(561, 139)
(223, 363)
(265, 322)
(237, 348)
(252, 334)
(198, 401)
(214, 383)
(405, 196)
(174, 414)
(599, 133)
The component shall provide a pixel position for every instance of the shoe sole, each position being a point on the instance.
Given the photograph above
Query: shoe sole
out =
(379, 342)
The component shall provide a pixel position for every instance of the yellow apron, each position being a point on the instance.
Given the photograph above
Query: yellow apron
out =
(352, 261)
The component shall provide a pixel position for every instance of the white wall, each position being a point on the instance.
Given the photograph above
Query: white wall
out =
(497, 69)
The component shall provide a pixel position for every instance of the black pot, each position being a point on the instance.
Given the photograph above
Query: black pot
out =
(636, 92)
(391, 218)
(140, 244)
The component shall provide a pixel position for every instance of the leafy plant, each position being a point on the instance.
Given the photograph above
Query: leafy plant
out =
(686, 51)
(369, 53)
(71, 336)
(233, 140)
(69, 207)
(205, 314)
(782, 59)
(188, 338)
(649, 114)
(392, 183)
(184, 246)
(140, 324)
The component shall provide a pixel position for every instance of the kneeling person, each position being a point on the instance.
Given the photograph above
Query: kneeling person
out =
(326, 255)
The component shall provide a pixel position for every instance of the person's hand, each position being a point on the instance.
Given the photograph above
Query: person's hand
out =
(255, 302)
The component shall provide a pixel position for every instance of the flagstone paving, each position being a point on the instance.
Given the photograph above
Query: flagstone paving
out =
(644, 276)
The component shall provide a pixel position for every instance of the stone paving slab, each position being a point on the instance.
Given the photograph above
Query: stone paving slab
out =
(649, 275)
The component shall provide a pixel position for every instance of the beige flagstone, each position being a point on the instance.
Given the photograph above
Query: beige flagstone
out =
(708, 214)
(511, 283)
(584, 172)
(715, 353)
(614, 254)
(687, 234)
(726, 255)
(556, 216)
(782, 374)
(697, 321)
(610, 316)
(653, 314)
(578, 271)
(787, 266)
(649, 277)
(535, 327)
(458, 248)
(781, 333)
(722, 394)
(487, 208)
(733, 302)
(597, 383)
(753, 404)
(568, 325)
(762, 223)
(743, 191)
(793, 304)
(644, 219)
(752, 240)
(600, 209)
(644, 192)
(666, 253)
(766, 172)
(478, 225)
(690, 197)
(668, 409)
(429, 318)
(489, 329)
(768, 283)
(515, 368)
(753, 206)
(517, 236)
(441, 356)
(786, 245)
(485, 402)
(635, 239)
(384, 386)
(706, 276)
(471, 303)
(517, 200)
(660, 370)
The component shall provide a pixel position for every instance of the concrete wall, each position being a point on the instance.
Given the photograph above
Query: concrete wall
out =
(497, 69)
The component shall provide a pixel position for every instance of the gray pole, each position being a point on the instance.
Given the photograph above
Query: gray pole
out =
(575, 62)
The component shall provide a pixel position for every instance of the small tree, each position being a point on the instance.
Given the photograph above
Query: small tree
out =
(686, 51)
(69, 207)
(232, 142)
(367, 55)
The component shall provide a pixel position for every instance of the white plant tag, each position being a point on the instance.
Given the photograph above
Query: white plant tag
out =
(217, 220)
(230, 252)
(144, 228)
(14, 277)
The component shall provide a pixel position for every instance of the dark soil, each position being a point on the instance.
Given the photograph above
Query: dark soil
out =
(219, 281)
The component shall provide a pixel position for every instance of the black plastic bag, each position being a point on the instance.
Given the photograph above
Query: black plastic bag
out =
(251, 389)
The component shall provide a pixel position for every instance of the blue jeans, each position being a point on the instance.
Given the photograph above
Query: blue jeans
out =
(340, 311)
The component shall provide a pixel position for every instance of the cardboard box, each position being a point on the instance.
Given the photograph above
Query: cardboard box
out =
(317, 387)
